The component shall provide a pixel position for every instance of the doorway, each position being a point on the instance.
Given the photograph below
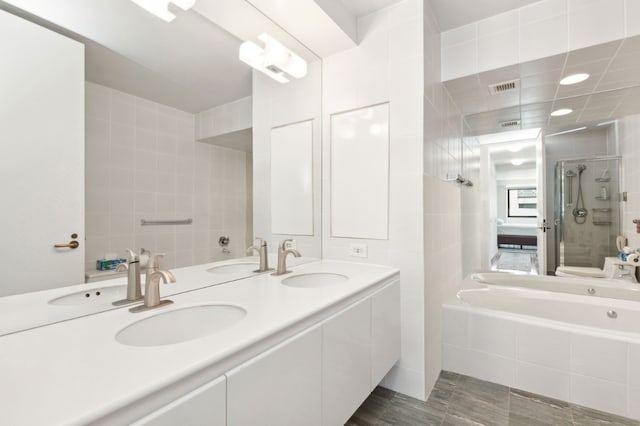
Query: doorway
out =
(511, 202)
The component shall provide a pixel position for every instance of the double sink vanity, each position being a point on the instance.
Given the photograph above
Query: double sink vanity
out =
(234, 348)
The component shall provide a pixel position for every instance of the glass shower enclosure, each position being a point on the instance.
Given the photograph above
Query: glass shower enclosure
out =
(587, 210)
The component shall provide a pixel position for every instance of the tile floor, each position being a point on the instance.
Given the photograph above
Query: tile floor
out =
(461, 400)
(507, 260)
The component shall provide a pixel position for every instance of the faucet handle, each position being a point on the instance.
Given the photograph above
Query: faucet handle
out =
(154, 261)
(257, 244)
(283, 244)
(133, 257)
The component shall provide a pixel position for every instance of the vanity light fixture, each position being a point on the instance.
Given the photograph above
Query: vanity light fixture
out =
(160, 8)
(274, 60)
(574, 79)
(517, 161)
(560, 112)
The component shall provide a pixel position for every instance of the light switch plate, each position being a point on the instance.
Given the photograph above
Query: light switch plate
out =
(358, 250)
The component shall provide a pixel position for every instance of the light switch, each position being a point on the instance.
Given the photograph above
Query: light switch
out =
(358, 250)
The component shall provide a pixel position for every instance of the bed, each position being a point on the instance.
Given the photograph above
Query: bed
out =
(517, 234)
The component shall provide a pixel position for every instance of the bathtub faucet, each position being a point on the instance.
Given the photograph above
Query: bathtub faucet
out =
(622, 272)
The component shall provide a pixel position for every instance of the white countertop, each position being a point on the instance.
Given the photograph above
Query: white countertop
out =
(28, 310)
(75, 372)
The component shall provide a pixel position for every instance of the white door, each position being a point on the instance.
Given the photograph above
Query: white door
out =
(543, 223)
(42, 161)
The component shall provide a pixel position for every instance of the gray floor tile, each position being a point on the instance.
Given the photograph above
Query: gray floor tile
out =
(452, 420)
(458, 400)
(526, 409)
(490, 393)
(583, 416)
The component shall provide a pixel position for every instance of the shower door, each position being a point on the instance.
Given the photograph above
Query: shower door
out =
(587, 210)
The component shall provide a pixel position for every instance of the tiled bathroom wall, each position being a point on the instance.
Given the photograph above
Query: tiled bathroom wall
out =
(142, 162)
(442, 200)
(541, 29)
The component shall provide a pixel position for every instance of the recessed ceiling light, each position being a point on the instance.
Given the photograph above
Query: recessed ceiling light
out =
(515, 148)
(562, 111)
(517, 162)
(574, 79)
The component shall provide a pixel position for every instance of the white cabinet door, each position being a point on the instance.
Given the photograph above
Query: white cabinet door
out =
(42, 161)
(204, 406)
(281, 387)
(346, 363)
(385, 327)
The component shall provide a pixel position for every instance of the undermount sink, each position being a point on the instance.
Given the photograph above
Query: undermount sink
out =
(314, 280)
(233, 268)
(180, 325)
(94, 296)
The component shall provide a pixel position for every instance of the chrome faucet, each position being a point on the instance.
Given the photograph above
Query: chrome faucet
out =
(134, 292)
(261, 248)
(624, 273)
(152, 291)
(283, 251)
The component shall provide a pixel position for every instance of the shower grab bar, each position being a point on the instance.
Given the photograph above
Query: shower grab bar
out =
(144, 222)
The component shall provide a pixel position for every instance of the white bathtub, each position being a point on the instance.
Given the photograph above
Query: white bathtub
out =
(562, 343)
(598, 287)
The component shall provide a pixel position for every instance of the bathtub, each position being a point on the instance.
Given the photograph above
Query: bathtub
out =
(597, 287)
(565, 343)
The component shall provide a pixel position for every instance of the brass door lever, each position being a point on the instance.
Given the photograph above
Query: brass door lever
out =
(71, 245)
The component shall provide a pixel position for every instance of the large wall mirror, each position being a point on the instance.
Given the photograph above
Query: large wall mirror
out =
(581, 169)
(173, 130)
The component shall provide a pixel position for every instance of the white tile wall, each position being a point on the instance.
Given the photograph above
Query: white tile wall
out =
(535, 31)
(544, 381)
(227, 118)
(607, 16)
(276, 104)
(142, 161)
(599, 357)
(592, 369)
(543, 346)
(599, 394)
(492, 335)
(387, 66)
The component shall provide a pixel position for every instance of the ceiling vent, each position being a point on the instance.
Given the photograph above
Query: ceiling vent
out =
(505, 86)
(510, 124)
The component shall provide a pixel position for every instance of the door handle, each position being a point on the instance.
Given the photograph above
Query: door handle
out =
(544, 226)
(71, 244)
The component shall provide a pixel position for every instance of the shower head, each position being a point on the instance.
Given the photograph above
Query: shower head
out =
(570, 173)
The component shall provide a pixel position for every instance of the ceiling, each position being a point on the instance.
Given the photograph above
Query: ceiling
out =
(449, 13)
(360, 8)
(190, 63)
(610, 92)
(455, 13)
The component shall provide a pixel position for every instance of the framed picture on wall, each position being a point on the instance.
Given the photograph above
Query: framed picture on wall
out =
(522, 202)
